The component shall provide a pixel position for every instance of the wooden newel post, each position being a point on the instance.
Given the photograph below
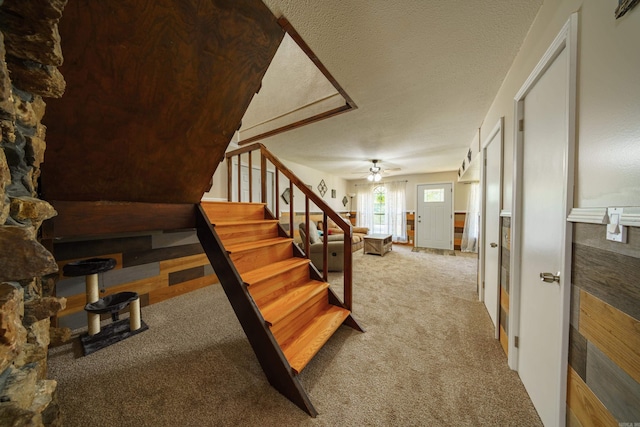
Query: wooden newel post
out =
(348, 272)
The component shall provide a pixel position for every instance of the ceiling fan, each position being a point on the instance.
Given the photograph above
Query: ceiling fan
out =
(375, 171)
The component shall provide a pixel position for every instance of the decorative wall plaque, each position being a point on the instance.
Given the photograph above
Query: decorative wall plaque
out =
(322, 188)
(285, 195)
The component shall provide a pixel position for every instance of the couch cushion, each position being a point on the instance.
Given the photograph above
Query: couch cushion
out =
(314, 236)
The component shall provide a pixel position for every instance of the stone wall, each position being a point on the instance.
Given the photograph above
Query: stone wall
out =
(29, 56)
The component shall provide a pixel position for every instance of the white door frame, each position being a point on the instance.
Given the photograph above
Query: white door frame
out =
(566, 39)
(453, 194)
(498, 128)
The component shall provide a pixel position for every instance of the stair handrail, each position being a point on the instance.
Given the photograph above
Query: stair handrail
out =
(310, 196)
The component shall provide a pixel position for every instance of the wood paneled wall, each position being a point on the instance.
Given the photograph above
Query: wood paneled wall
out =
(458, 228)
(604, 352)
(505, 257)
(158, 265)
(155, 91)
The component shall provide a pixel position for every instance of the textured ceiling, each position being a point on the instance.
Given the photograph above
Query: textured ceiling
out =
(423, 74)
(306, 89)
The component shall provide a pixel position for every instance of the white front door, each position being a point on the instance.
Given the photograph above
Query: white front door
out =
(492, 190)
(434, 228)
(544, 174)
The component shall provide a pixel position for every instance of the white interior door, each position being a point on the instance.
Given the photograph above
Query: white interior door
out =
(545, 172)
(492, 190)
(434, 228)
(255, 186)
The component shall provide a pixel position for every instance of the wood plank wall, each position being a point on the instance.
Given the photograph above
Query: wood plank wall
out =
(113, 136)
(158, 265)
(505, 256)
(458, 224)
(604, 343)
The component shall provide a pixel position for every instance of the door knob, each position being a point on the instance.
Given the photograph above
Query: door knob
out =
(550, 277)
(493, 245)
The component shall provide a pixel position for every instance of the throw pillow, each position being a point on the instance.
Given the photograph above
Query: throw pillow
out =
(314, 236)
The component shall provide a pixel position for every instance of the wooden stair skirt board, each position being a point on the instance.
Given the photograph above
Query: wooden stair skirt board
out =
(281, 302)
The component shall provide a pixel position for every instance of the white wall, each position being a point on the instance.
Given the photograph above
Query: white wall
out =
(218, 191)
(608, 107)
(313, 177)
(460, 190)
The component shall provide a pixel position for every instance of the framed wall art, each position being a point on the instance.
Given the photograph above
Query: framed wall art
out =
(286, 196)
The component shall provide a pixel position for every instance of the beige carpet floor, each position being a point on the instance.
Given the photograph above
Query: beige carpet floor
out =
(428, 358)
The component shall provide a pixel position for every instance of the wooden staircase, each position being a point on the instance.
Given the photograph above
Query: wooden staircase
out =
(287, 311)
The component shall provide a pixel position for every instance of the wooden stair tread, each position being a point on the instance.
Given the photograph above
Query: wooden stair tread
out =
(287, 303)
(246, 246)
(313, 336)
(271, 270)
(245, 222)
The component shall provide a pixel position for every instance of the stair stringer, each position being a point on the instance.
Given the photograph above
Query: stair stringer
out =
(267, 350)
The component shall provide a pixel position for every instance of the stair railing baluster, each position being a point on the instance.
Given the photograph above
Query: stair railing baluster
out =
(307, 239)
(250, 177)
(325, 247)
(291, 211)
(240, 177)
(263, 177)
(310, 196)
(229, 177)
(277, 197)
(348, 273)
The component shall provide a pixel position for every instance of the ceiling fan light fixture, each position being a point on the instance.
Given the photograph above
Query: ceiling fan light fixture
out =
(374, 174)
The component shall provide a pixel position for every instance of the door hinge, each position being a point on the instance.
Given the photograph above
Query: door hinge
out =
(521, 125)
(516, 342)
(483, 284)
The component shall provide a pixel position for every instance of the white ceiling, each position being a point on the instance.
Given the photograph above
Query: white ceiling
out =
(423, 74)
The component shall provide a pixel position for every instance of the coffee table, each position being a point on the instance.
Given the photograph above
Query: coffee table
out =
(378, 244)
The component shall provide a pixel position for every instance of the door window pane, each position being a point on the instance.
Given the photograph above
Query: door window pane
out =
(434, 195)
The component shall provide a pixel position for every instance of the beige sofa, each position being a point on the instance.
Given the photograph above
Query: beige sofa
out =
(335, 243)
(357, 240)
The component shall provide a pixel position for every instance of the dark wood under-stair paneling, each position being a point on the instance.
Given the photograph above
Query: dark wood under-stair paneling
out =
(155, 91)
